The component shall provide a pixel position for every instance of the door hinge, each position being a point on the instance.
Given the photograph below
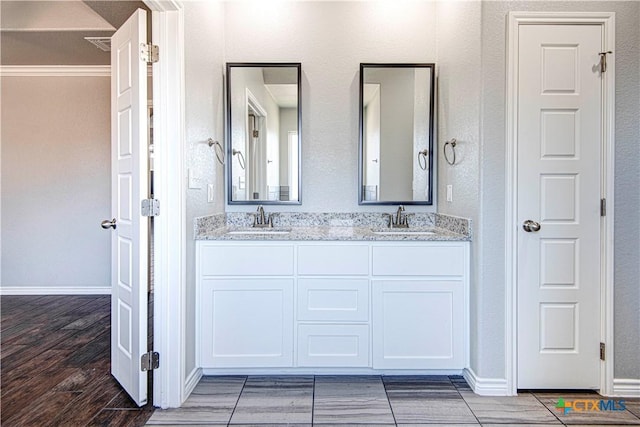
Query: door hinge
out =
(603, 207)
(150, 207)
(149, 53)
(150, 361)
(602, 351)
(603, 60)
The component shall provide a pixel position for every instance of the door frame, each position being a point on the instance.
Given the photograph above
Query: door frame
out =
(169, 226)
(607, 21)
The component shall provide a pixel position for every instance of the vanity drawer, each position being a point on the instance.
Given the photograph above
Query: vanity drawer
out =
(419, 260)
(338, 260)
(333, 300)
(333, 345)
(246, 260)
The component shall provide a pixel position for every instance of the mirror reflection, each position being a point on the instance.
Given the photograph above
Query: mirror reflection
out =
(396, 133)
(263, 130)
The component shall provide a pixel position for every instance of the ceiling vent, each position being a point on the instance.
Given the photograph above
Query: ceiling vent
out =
(102, 43)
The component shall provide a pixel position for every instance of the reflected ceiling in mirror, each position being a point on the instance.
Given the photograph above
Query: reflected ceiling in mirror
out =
(263, 133)
(396, 133)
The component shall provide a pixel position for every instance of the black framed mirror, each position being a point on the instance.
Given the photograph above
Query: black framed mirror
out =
(396, 134)
(263, 133)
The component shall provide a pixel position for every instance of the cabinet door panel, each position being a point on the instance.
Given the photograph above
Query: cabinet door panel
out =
(247, 323)
(418, 324)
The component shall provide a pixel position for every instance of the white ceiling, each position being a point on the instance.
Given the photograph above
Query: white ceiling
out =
(52, 32)
(285, 95)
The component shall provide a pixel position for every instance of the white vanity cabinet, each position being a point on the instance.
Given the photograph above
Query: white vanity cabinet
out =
(420, 306)
(332, 306)
(333, 301)
(245, 295)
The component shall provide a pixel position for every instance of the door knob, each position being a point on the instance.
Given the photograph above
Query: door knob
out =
(530, 225)
(106, 224)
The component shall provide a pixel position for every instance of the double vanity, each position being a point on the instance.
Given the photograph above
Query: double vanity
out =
(332, 293)
(295, 292)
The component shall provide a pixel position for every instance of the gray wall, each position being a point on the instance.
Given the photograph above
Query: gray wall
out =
(489, 246)
(467, 40)
(204, 119)
(459, 65)
(472, 63)
(217, 32)
(56, 182)
(330, 39)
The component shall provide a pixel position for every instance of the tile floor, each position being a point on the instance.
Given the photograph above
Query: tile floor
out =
(373, 401)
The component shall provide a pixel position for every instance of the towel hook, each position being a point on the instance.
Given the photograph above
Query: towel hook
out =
(217, 149)
(452, 143)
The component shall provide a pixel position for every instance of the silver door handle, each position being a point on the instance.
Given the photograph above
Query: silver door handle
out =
(530, 225)
(107, 224)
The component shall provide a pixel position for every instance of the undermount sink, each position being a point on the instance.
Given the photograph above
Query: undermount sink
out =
(403, 232)
(260, 231)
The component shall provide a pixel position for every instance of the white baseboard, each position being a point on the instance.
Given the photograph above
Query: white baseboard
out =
(485, 386)
(55, 70)
(57, 290)
(191, 382)
(624, 387)
(58, 70)
(326, 371)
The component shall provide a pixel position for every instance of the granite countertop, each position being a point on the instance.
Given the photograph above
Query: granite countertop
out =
(349, 226)
(328, 233)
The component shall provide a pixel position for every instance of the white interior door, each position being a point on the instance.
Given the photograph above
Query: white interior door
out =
(129, 185)
(559, 143)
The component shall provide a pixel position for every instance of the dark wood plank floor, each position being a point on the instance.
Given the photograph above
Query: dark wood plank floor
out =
(55, 364)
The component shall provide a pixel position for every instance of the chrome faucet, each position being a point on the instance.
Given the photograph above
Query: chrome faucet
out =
(259, 220)
(399, 220)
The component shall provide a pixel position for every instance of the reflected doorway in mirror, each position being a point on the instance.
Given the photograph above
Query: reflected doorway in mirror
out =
(396, 133)
(263, 133)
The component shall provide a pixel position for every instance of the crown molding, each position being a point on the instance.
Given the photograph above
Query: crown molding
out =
(55, 70)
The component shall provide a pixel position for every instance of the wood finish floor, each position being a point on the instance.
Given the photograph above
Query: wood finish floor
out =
(55, 364)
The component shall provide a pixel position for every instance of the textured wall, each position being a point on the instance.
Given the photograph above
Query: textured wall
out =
(627, 224)
(491, 283)
(469, 46)
(459, 96)
(330, 39)
(56, 182)
(204, 119)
